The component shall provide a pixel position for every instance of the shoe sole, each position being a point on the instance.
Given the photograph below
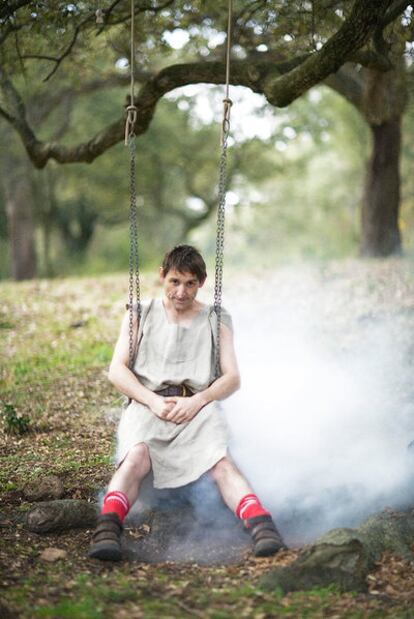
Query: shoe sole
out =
(105, 553)
(266, 548)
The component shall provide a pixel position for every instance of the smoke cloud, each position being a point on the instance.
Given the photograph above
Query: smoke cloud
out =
(322, 422)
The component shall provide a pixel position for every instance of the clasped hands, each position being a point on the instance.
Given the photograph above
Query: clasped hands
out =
(177, 409)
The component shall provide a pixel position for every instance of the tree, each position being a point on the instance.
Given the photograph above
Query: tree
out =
(380, 97)
(17, 189)
(284, 49)
(280, 82)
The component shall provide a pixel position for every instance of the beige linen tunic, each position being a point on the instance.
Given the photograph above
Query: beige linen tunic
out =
(171, 354)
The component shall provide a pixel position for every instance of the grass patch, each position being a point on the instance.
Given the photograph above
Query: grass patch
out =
(86, 608)
(51, 363)
(56, 376)
(4, 324)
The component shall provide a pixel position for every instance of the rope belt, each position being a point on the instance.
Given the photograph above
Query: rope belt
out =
(175, 390)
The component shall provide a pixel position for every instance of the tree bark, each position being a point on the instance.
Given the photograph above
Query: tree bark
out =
(380, 207)
(20, 220)
(381, 98)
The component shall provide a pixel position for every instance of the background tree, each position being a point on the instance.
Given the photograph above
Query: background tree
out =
(18, 208)
(281, 51)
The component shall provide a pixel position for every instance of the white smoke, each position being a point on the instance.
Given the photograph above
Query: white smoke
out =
(326, 410)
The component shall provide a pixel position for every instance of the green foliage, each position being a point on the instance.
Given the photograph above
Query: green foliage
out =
(48, 29)
(177, 165)
(286, 200)
(298, 192)
(85, 608)
(14, 422)
(307, 209)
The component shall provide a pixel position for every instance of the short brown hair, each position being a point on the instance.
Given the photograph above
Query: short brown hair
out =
(185, 258)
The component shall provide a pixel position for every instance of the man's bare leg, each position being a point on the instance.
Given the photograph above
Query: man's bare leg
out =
(240, 498)
(122, 494)
(130, 474)
(231, 483)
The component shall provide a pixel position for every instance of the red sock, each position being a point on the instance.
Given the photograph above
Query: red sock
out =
(250, 507)
(116, 502)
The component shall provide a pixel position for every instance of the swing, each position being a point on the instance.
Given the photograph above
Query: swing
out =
(134, 292)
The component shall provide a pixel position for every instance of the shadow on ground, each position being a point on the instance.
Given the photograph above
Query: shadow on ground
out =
(188, 525)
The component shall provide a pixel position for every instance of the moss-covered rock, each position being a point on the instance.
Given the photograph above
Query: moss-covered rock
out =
(345, 556)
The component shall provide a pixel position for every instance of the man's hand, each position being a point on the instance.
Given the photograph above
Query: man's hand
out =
(184, 409)
(160, 406)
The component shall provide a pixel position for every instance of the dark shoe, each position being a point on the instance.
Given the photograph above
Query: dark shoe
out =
(266, 538)
(106, 539)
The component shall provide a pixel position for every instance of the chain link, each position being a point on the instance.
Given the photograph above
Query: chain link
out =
(221, 207)
(221, 210)
(134, 284)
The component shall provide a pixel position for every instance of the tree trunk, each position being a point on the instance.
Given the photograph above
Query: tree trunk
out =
(46, 209)
(380, 207)
(20, 221)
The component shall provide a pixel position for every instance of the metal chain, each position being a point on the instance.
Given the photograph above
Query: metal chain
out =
(221, 207)
(134, 282)
(218, 285)
(134, 296)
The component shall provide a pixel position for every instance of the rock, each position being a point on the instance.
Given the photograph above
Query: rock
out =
(42, 488)
(345, 556)
(60, 515)
(389, 530)
(53, 554)
(339, 557)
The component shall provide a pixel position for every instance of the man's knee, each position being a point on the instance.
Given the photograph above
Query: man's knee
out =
(138, 458)
(222, 469)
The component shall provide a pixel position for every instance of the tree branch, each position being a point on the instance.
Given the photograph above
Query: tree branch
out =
(69, 48)
(396, 9)
(56, 59)
(12, 96)
(11, 28)
(91, 18)
(382, 47)
(354, 32)
(281, 83)
(43, 104)
(347, 83)
(140, 9)
(10, 7)
(7, 116)
(154, 89)
(371, 59)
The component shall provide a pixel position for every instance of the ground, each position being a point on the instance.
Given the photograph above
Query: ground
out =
(57, 337)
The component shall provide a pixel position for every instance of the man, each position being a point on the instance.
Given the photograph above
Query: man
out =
(173, 425)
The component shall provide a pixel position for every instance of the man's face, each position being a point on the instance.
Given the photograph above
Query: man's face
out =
(180, 288)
